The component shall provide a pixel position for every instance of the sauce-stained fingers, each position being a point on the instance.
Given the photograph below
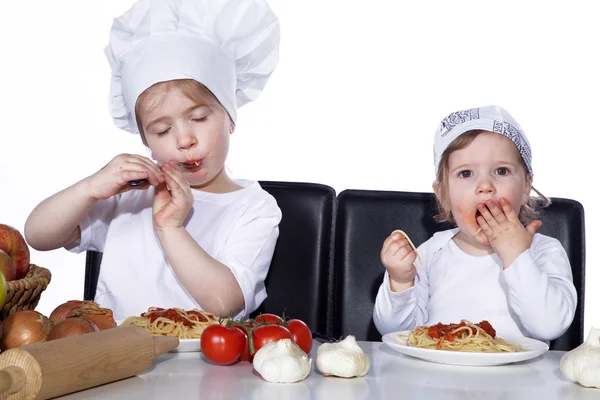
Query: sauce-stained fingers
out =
(486, 215)
(496, 211)
(508, 210)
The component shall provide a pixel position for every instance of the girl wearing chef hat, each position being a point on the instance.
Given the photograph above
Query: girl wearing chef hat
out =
(190, 236)
(493, 266)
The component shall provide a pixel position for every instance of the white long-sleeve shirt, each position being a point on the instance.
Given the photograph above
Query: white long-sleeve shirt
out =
(238, 229)
(533, 297)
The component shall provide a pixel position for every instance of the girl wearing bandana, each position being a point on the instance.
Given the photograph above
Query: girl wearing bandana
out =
(188, 236)
(493, 266)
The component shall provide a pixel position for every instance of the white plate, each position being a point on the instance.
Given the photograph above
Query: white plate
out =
(533, 348)
(185, 345)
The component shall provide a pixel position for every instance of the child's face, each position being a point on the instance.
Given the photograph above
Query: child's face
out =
(488, 168)
(194, 134)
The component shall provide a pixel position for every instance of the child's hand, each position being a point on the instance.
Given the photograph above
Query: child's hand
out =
(398, 257)
(503, 231)
(171, 206)
(114, 177)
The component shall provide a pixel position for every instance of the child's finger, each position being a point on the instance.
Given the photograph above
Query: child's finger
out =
(177, 175)
(402, 250)
(485, 213)
(390, 239)
(394, 247)
(172, 183)
(156, 174)
(136, 165)
(508, 210)
(180, 188)
(496, 211)
(485, 227)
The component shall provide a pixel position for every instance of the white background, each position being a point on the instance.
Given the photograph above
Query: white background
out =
(354, 102)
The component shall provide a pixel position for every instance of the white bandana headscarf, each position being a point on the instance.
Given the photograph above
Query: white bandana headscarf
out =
(230, 46)
(489, 118)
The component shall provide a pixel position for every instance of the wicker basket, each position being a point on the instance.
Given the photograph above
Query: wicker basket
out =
(24, 294)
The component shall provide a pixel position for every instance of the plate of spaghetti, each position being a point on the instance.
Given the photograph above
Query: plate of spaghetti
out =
(464, 343)
(185, 325)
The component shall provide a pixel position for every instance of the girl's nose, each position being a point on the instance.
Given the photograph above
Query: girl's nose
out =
(485, 186)
(186, 140)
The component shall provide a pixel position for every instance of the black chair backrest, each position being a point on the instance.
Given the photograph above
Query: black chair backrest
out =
(298, 279)
(365, 218)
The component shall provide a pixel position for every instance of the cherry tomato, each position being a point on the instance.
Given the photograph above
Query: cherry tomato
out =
(268, 318)
(301, 334)
(222, 345)
(269, 333)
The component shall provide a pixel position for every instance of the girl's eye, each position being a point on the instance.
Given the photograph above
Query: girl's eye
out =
(502, 171)
(161, 133)
(199, 119)
(465, 174)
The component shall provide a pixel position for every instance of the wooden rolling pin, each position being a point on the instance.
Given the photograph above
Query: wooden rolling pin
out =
(50, 369)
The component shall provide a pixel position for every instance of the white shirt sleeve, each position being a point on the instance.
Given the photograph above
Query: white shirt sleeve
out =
(399, 311)
(541, 290)
(94, 226)
(249, 249)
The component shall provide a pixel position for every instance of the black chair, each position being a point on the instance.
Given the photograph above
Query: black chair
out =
(298, 279)
(365, 218)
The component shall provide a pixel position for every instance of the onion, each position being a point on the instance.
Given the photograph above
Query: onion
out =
(102, 321)
(101, 317)
(61, 312)
(23, 328)
(71, 327)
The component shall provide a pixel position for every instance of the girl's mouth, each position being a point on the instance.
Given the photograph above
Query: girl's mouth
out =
(192, 165)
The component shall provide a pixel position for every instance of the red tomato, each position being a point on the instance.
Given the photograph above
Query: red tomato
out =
(246, 356)
(268, 318)
(269, 333)
(301, 334)
(222, 345)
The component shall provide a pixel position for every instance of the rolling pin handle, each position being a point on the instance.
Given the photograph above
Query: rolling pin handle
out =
(12, 379)
(163, 344)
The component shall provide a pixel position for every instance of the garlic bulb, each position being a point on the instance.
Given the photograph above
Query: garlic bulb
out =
(344, 358)
(282, 362)
(582, 364)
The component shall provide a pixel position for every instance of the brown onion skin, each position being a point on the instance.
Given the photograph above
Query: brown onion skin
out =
(101, 317)
(62, 311)
(24, 328)
(71, 327)
(102, 321)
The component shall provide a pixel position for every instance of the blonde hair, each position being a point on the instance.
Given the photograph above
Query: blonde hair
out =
(156, 94)
(527, 213)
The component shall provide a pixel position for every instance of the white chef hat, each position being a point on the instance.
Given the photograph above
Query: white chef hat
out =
(230, 46)
(489, 118)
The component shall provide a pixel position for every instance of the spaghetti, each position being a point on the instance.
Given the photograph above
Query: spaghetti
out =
(464, 336)
(173, 322)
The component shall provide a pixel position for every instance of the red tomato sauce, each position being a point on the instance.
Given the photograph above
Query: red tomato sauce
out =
(171, 314)
(445, 330)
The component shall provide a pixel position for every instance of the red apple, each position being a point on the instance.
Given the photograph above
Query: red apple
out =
(7, 266)
(13, 243)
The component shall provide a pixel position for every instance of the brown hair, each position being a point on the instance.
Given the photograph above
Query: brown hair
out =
(527, 213)
(192, 89)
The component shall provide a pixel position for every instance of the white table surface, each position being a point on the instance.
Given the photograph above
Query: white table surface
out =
(392, 376)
